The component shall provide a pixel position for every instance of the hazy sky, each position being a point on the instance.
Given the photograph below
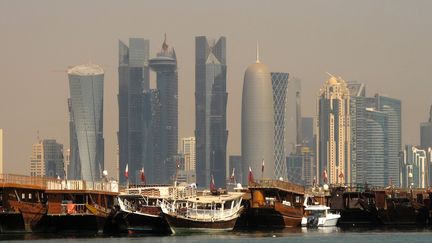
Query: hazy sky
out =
(385, 44)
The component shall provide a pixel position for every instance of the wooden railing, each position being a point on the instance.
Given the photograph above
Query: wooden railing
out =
(21, 180)
(282, 185)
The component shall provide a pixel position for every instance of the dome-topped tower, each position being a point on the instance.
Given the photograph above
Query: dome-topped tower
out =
(257, 120)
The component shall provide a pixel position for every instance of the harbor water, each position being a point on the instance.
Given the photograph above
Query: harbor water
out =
(333, 234)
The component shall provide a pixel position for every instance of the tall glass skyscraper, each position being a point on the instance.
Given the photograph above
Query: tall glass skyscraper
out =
(279, 84)
(210, 107)
(86, 84)
(293, 116)
(165, 66)
(134, 78)
(392, 107)
(426, 132)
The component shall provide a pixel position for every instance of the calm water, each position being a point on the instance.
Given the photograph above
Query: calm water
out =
(289, 235)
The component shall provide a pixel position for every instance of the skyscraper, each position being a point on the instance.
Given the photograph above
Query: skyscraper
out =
(392, 108)
(257, 121)
(210, 109)
(86, 84)
(188, 149)
(279, 85)
(165, 66)
(414, 167)
(293, 116)
(426, 132)
(134, 79)
(46, 159)
(333, 140)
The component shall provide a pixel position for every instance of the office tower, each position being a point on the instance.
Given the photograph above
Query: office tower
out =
(165, 66)
(153, 163)
(373, 170)
(134, 79)
(358, 105)
(46, 159)
(188, 149)
(414, 167)
(235, 163)
(293, 116)
(66, 164)
(257, 121)
(392, 108)
(295, 168)
(210, 110)
(307, 150)
(1, 151)
(279, 85)
(333, 131)
(86, 84)
(426, 132)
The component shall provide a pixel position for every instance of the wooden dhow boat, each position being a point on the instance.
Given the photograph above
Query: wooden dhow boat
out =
(207, 212)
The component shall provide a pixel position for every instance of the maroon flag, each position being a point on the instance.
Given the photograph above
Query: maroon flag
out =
(325, 176)
(212, 184)
(250, 177)
(341, 175)
(126, 173)
(143, 179)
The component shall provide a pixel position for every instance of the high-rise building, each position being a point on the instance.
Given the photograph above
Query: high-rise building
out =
(392, 108)
(279, 85)
(307, 150)
(188, 149)
(1, 151)
(293, 116)
(414, 167)
(66, 164)
(333, 131)
(46, 159)
(373, 169)
(165, 66)
(86, 84)
(134, 79)
(257, 121)
(210, 110)
(426, 132)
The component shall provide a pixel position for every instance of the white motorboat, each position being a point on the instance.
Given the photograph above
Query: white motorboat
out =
(319, 216)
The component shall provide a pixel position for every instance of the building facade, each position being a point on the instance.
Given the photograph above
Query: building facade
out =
(1, 151)
(426, 132)
(333, 131)
(46, 159)
(188, 150)
(86, 84)
(257, 121)
(414, 167)
(134, 80)
(165, 66)
(293, 116)
(393, 109)
(279, 85)
(210, 110)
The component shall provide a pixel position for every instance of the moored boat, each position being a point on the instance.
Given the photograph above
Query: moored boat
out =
(207, 212)
(274, 204)
(319, 216)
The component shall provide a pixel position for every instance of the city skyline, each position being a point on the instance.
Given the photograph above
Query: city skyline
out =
(372, 45)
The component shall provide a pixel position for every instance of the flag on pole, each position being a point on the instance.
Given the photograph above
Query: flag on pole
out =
(178, 164)
(232, 175)
(143, 179)
(212, 184)
(250, 177)
(126, 173)
(262, 167)
(325, 176)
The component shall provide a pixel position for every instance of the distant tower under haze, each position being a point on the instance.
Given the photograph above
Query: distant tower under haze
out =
(134, 78)
(280, 84)
(86, 84)
(426, 132)
(333, 131)
(165, 66)
(46, 159)
(257, 121)
(1, 151)
(210, 107)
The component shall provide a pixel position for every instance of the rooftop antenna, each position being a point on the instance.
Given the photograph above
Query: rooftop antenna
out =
(257, 53)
